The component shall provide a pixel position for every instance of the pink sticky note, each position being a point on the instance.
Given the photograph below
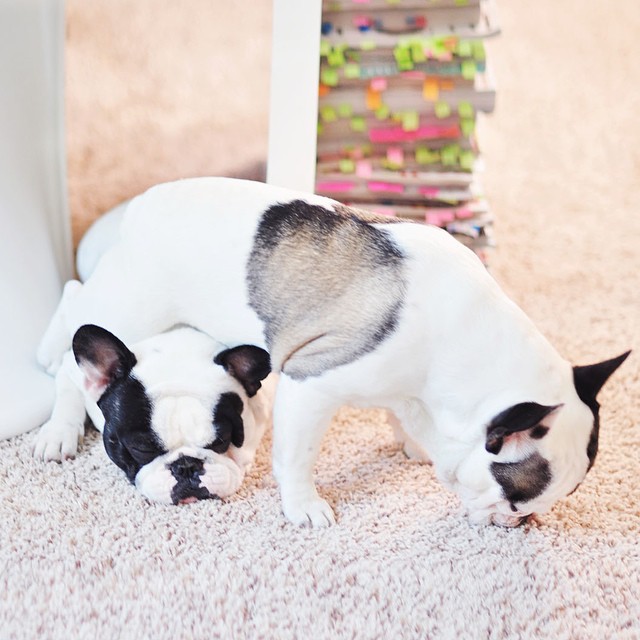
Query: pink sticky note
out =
(335, 187)
(361, 1)
(446, 216)
(428, 191)
(387, 187)
(432, 217)
(395, 155)
(363, 169)
(379, 84)
(464, 213)
(384, 211)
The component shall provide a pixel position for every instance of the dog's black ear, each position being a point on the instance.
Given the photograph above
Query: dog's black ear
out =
(516, 419)
(102, 358)
(589, 379)
(247, 364)
(227, 420)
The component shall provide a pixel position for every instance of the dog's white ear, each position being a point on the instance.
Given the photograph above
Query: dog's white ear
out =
(526, 416)
(248, 364)
(590, 379)
(101, 357)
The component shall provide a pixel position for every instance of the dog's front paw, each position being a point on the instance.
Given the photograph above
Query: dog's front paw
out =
(309, 512)
(57, 441)
(223, 477)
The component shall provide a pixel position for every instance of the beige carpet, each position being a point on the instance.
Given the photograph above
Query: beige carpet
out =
(159, 89)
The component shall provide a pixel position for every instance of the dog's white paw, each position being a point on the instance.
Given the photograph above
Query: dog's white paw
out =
(309, 512)
(57, 441)
(222, 478)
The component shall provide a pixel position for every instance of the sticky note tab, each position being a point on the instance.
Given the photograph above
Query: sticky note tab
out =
(464, 49)
(364, 169)
(325, 48)
(387, 187)
(466, 160)
(417, 52)
(336, 57)
(426, 156)
(447, 85)
(431, 89)
(374, 99)
(323, 90)
(410, 121)
(358, 124)
(442, 109)
(351, 70)
(468, 68)
(382, 112)
(395, 156)
(465, 109)
(329, 77)
(378, 84)
(334, 187)
(402, 56)
(479, 53)
(347, 165)
(467, 126)
(345, 110)
(367, 45)
(449, 155)
(328, 114)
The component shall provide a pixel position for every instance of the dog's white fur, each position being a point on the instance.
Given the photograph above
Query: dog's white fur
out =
(182, 382)
(462, 352)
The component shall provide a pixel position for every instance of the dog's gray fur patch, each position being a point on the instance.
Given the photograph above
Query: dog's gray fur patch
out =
(524, 480)
(327, 284)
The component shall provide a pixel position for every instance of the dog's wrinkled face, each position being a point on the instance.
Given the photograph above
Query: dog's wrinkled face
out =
(535, 455)
(172, 407)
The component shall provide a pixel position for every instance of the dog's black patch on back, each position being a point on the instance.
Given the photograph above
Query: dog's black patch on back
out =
(327, 284)
(128, 438)
(524, 480)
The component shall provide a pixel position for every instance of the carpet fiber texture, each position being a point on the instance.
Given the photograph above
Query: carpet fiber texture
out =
(152, 95)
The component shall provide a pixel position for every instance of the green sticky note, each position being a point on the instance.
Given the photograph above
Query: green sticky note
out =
(462, 3)
(466, 160)
(403, 58)
(345, 110)
(467, 126)
(468, 68)
(478, 50)
(426, 156)
(335, 58)
(325, 48)
(328, 114)
(347, 165)
(465, 110)
(382, 112)
(329, 77)
(358, 124)
(442, 109)
(410, 121)
(449, 155)
(464, 49)
(367, 45)
(351, 71)
(320, 128)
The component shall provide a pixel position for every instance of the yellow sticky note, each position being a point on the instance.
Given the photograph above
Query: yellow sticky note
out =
(464, 49)
(367, 45)
(345, 110)
(351, 71)
(465, 109)
(358, 124)
(335, 58)
(431, 89)
(417, 52)
(347, 165)
(468, 68)
(382, 112)
(466, 160)
(467, 126)
(410, 121)
(329, 77)
(374, 99)
(442, 109)
(325, 48)
(328, 114)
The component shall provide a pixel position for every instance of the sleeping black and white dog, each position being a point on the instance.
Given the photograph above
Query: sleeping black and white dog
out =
(181, 415)
(353, 309)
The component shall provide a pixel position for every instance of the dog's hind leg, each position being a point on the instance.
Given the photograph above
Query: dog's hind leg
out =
(410, 447)
(301, 418)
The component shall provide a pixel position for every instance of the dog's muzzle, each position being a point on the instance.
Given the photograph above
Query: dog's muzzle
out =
(188, 471)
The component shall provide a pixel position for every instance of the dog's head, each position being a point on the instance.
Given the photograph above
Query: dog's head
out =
(173, 405)
(535, 454)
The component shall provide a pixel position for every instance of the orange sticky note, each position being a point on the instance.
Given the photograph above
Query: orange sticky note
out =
(374, 99)
(323, 90)
(430, 89)
(446, 85)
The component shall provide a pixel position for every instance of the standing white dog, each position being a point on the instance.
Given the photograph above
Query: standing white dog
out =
(354, 310)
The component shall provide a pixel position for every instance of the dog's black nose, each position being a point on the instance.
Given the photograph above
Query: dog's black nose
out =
(187, 468)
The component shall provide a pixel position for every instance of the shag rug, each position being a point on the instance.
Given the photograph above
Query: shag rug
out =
(158, 90)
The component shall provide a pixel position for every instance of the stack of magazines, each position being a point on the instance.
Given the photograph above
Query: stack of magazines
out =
(401, 85)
